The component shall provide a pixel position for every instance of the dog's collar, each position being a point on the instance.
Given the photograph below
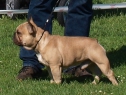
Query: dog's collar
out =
(39, 40)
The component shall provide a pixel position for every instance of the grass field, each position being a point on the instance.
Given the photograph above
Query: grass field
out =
(108, 28)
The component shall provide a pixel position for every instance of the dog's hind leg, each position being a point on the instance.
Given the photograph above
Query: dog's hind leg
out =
(95, 71)
(93, 68)
(104, 65)
(108, 72)
(99, 57)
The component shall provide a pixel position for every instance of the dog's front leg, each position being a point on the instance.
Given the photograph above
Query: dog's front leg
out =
(50, 74)
(56, 73)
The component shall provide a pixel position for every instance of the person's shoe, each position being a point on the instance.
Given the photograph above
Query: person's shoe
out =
(28, 72)
(77, 71)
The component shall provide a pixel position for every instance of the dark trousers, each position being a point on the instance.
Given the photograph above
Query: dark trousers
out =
(77, 23)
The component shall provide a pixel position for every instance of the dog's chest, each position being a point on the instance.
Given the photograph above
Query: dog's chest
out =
(41, 60)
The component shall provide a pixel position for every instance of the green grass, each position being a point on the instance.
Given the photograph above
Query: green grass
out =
(110, 30)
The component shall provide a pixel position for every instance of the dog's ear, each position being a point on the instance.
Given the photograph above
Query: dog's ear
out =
(31, 29)
(33, 26)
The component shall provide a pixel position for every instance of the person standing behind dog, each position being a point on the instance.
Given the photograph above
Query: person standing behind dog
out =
(77, 24)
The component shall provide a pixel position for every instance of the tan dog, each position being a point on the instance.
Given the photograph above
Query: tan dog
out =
(57, 52)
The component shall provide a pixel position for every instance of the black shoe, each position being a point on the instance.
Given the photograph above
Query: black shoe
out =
(28, 72)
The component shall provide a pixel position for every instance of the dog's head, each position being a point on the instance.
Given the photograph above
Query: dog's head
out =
(26, 35)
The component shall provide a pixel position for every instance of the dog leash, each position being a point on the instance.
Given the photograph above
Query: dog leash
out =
(50, 15)
(48, 19)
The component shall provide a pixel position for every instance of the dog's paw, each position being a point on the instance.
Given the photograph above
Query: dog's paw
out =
(96, 80)
(52, 81)
(114, 82)
(56, 82)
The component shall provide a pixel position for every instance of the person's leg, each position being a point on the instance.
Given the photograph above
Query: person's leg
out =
(78, 18)
(78, 24)
(39, 10)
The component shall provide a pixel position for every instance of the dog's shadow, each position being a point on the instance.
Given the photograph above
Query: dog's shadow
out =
(80, 79)
(117, 57)
(67, 78)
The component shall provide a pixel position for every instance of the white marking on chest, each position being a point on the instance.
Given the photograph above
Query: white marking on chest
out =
(41, 60)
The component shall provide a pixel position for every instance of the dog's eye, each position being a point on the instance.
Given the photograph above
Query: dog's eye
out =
(18, 32)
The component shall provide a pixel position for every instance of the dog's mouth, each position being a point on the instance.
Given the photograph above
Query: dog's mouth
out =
(17, 40)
